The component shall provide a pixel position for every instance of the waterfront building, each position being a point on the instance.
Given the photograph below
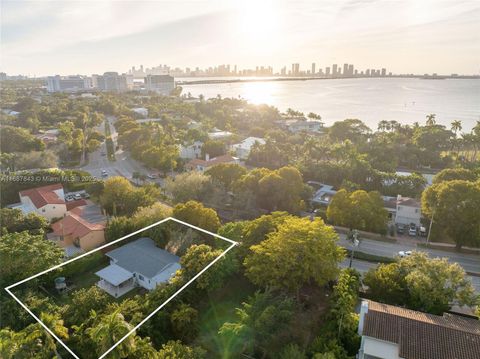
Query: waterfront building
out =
(161, 84)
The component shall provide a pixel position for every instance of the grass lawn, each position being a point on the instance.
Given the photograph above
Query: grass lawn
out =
(81, 274)
(219, 308)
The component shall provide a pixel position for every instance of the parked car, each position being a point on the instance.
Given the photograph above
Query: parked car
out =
(412, 231)
(85, 195)
(104, 173)
(151, 176)
(403, 254)
(103, 154)
(77, 196)
(400, 228)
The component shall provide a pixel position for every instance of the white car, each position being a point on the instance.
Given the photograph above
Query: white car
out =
(403, 254)
(104, 173)
(77, 196)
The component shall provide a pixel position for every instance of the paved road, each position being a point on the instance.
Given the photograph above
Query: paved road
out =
(470, 262)
(364, 266)
(124, 165)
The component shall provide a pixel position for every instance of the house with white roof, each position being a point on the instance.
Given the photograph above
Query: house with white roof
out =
(137, 264)
(219, 134)
(242, 149)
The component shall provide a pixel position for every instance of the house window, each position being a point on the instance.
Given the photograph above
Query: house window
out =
(399, 208)
(53, 207)
(140, 277)
(43, 210)
(416, 210)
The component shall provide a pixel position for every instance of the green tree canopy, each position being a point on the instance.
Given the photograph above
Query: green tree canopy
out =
(358, 210)
(260, 319)
(198, 215)
(420, 283)
(299, 252)
(226, 173)
(450, 174)
(454, 205)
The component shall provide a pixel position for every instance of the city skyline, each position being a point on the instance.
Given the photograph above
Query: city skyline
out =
(43, 38)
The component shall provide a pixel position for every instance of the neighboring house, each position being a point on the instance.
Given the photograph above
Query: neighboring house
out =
(390, 332)
(141, 111)
(10, 112)
(301, 124)
(219, 135)
(47, 201)
(323, 196)
(194, 125)
(76, 234)
(49, 136)
(242, 149)
(203, 165)
(191, 151)
(401, 210)
(138, 263)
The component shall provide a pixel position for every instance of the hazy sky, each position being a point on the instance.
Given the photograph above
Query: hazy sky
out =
(84, 37)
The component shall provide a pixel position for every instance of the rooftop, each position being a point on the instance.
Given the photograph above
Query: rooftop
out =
(421, 335)
(41, 196)
(73, 224)
(213, 161)
(143, 256)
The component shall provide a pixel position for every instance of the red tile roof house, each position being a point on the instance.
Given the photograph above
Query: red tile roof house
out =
(47, 201)
(203, 165)
(77, 235)
(391, 332)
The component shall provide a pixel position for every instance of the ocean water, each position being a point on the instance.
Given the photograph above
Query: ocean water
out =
(406, 100)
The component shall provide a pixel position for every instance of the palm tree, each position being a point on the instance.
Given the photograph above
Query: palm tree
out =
(456, 126)
(431, 119)
(110, 328)
(382, 125)
(36, 334)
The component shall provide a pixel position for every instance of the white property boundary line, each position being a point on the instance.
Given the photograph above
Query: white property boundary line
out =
(233, 244)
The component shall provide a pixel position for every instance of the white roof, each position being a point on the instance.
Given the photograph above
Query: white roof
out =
(249, 142)
(114, 274)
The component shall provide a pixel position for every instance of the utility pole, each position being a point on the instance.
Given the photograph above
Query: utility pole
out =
(355, 243)
(430, 227)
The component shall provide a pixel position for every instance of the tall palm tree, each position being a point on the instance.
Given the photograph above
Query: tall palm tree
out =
(110, 328)
(456, 126)
(431, 119)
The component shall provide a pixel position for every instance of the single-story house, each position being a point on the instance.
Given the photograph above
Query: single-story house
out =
(391, 332)
(137, 264)
(47, 201)
(76, 234)
(203, 165)
(242, 149)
